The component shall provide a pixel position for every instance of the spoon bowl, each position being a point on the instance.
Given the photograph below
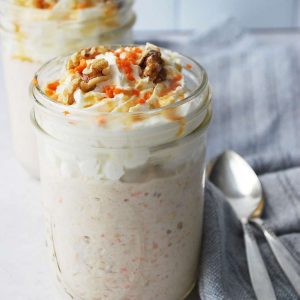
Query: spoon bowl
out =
(238, 182)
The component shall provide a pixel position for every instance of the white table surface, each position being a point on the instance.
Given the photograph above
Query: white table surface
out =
(23, 263)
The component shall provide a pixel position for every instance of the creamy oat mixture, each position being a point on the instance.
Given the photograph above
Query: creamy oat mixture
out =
(119, 240)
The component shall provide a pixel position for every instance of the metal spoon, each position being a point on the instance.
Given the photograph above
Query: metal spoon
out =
(242, 188)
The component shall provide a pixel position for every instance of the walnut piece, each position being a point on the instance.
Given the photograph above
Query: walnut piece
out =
(152, 66)
(99, 67)
(97, 72)
(91, 84)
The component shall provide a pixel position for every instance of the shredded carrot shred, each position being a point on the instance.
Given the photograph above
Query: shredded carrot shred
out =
(111, 91)
(177, 77)
(53, 85)
(125, 63)
(136, 92)
(173, 85)
(145, 98)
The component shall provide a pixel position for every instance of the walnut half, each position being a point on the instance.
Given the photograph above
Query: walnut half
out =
(152, 66)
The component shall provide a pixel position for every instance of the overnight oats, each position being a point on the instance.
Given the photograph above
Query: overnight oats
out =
(121, 134)
(34, 31)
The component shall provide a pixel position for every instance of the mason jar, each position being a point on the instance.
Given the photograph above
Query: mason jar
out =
(123, 193)
(31, 36)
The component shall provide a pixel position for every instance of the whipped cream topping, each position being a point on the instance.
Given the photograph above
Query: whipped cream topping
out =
(128, 79)
(118, 104)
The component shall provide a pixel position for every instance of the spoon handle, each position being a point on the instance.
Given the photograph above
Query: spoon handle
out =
(260, 279)
(283, 256)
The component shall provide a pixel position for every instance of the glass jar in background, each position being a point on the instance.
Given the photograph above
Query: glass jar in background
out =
(31, 36)
(124, 201)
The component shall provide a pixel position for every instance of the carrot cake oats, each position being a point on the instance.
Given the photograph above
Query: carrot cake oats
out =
(121, 136)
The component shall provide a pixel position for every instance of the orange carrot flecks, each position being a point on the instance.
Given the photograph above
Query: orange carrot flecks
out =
(130, 58)
(35, 82)
(53, 85)
(144, 99)
(111, 91)
(177, 77)
(188, 66)
(136, 92)
(102, 120)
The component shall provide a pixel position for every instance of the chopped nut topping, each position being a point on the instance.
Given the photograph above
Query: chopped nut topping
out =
(127, 79)
(98, 71)
(152, 66)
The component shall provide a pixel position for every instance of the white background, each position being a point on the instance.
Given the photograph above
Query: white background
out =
(192, 14)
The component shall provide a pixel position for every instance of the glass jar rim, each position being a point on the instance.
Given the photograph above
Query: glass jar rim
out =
(36, 91)
(200, 130)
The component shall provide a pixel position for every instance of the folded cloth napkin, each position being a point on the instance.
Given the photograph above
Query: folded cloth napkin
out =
(256, 112)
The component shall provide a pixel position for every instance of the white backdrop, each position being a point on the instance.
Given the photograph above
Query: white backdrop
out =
(190, 14)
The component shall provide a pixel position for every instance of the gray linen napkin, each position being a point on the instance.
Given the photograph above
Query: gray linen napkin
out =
(256, 112)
